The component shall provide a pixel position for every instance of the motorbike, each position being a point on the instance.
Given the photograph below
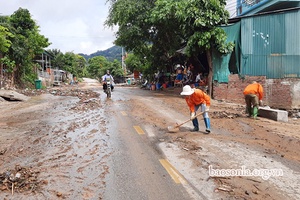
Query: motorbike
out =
(108, 89)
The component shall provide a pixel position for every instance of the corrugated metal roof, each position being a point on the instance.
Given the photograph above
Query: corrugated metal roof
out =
(250, 7)
(231, 7)
(246, 6)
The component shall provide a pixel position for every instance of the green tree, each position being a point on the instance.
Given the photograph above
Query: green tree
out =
(97, 66)
(57, 62)
(133, 62)
(5, 42)
(157, 30)
(69, 61)
(145, 33)
(116, 69)
(26, 43)
(132, 18)
(81, 64)
(201, 21)
(73, 63)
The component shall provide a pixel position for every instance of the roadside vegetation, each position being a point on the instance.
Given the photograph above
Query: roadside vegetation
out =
(157, 31)
(21, 43)
(153, 33)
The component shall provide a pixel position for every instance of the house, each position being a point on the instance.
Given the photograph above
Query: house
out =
(44, 67)
(267, 49)
(48, 74)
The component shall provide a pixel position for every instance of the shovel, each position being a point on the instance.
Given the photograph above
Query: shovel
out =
(174, 129)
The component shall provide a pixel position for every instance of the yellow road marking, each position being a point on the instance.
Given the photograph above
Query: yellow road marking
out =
(139, 130)
(124, 113)
(172, 171)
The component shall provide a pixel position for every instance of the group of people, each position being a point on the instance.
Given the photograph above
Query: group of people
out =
(186, 77)
(197, 99)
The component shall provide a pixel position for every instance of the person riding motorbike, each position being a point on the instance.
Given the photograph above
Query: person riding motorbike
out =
(107, 78)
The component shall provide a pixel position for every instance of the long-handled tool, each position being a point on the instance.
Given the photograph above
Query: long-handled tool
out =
(173, 129)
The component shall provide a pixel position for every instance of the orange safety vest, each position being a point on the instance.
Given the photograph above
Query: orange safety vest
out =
(255, 88)
(197, 98)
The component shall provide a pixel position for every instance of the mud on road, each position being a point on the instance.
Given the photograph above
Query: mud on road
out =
(55, 145)
(236, 143)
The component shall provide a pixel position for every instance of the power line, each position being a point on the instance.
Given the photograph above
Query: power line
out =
(74, 36)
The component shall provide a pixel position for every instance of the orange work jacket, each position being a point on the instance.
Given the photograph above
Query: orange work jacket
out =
(255, 88)
(197, 98)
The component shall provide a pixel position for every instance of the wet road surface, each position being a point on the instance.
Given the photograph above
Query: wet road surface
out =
(85, 146)
(136, 171)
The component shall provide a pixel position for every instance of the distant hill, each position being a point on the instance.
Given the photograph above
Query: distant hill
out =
(110, 54)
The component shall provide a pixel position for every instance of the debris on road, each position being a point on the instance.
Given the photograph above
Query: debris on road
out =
(20, 179)
(225, 114)
(88, 98)
(2, 152)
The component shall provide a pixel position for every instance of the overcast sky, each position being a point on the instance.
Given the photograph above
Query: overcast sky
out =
(71, 25)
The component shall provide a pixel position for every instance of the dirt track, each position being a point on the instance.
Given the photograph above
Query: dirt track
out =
(41, 135)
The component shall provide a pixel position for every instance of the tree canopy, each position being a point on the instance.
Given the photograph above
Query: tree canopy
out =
(157, 29)
(98, 65)
(5, 43)
(22, 41)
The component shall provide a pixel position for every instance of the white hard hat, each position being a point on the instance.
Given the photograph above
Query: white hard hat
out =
(187, 90)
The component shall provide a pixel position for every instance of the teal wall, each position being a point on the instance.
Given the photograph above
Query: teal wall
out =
(270, 45)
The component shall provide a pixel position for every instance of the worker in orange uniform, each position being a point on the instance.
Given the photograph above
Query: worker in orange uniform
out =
(253, 97)
(196, 98)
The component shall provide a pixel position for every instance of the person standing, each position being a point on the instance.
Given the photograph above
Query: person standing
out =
(253, 94)
(107, 78)
(195, 99)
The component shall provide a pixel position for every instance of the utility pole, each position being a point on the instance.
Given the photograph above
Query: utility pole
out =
(122, 59)
(123, 64)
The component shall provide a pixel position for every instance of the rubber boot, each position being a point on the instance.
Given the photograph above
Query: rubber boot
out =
(255, 112)
(207, 124)
(249, 111)
(196, 125)
(195, 129)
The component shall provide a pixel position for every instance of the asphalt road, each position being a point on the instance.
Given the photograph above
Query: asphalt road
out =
(138, 168)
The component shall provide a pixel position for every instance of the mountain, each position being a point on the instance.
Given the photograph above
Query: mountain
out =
(110, 54)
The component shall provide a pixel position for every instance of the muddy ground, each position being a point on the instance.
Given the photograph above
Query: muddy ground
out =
(51, 145)
(236, 142)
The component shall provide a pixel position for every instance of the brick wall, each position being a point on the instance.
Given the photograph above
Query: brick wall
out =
(278, 93)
